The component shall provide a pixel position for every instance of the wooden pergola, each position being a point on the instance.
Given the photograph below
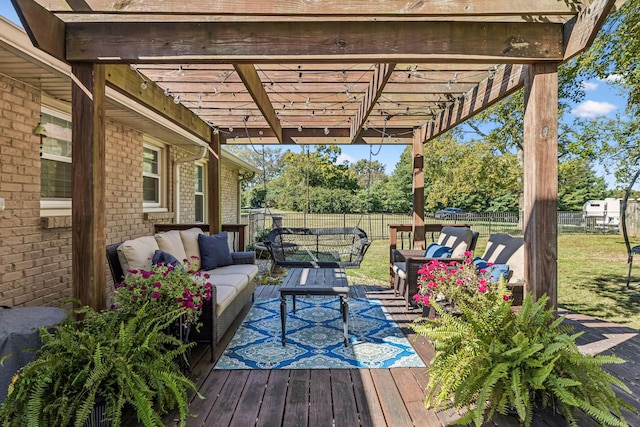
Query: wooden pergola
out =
(313, 72)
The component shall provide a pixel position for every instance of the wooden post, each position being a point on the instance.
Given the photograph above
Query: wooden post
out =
(215, 184)
(541, 181)
(418, 189)
(89, 232)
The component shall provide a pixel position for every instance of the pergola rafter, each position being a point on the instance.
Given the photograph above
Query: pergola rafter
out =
(331, 72)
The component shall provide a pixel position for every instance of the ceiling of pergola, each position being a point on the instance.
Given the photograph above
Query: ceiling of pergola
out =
(310, 71)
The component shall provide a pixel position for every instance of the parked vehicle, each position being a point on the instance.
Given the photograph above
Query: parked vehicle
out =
(448, 213)
(602, 213)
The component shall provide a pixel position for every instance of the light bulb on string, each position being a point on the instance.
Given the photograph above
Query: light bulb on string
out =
(308, 101)
(230, 128)
(176, 99)
(326, 131)
(166, 91)
(143, 85)
(180, 71)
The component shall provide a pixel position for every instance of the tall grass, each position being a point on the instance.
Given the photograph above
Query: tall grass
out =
(592, 273)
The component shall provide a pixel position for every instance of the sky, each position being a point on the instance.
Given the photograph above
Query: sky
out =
(601, 99)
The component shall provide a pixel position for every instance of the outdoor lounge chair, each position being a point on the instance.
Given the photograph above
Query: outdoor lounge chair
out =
(406, 263)
(507, 250)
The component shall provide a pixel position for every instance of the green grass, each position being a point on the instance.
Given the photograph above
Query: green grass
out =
(592, 273)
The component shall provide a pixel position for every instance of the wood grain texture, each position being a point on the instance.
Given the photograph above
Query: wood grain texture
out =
(379, 79)
(251, 80)
(418, 190)
(291, 8)
(214, 183)
(88, 208)
(580, 32)
(541, 181)
(125, 80)
(266, 42)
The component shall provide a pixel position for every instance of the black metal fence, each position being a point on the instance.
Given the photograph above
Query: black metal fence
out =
(377, 225)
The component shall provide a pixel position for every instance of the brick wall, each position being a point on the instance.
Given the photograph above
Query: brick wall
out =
(35, 252)
(230, 206)
(35, 263)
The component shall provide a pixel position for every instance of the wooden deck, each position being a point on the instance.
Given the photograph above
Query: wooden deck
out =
(367, 397)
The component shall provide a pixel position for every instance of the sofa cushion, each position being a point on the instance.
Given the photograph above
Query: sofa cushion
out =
(136, 254)
(191, 247)
(435, 250)
(249, 270)
(214, 250)
(224, 297)
(171, 242)
(162, 257)
(238, 281)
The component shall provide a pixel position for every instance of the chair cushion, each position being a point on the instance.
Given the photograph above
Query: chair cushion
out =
(136, 254)
(492, 272)
(435, 250)
(457, 238)
(399, 266)
(160, 256)
(214, 250)
(171, 242)
(191, 247)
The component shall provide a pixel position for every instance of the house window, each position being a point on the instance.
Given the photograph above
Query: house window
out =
(152, 175)
(55, 163)
(199, 181)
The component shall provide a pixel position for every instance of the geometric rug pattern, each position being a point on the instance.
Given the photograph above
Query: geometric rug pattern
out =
(315, 337)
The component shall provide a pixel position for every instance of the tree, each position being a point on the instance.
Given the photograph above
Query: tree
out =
(577, 183)
(312, 178)
(473, 176)
(368, 173)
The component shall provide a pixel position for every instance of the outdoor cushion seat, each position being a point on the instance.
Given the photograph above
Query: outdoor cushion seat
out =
(406, 263)
(233, 284)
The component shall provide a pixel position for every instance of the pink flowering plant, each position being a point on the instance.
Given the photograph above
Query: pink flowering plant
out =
(453, 283)
(166, 287)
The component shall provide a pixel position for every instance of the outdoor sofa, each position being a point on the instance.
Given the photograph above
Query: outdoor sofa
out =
(231, 273)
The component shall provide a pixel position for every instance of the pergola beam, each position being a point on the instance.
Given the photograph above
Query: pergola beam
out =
(251, 80)
(380, 77)
(313, 41)
(125, 80)
(503, 82)
(329, 8)
(581, 30)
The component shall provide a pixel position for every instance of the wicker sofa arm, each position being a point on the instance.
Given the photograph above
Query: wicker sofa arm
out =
(247, 257)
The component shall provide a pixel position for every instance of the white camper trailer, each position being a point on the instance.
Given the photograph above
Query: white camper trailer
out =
(604, 213)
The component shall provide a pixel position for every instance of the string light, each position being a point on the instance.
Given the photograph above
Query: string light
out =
(326, 131)
(308, 101)
(143, 85)
(299, 128)
(230, 128)
(180, 71)
(215, 90)
(166, 91)
(176, 99)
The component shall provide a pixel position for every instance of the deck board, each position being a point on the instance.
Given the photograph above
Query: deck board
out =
(365, 397)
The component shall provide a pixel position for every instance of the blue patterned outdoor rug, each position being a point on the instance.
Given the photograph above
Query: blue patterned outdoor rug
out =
(315, 337)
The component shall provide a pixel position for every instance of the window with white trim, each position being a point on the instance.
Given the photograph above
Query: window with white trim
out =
(55, 163)
(152, 176)
(200, 182)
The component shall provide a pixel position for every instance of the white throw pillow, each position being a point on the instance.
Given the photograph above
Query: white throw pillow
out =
(171, 242)
(191, 247)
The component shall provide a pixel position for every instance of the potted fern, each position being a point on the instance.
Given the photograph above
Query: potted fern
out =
(121, 359)
(491, 359)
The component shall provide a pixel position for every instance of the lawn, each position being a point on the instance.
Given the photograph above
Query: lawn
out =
(592, 272)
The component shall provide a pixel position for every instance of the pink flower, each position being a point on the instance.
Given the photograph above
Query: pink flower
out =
(157, 285)
(482, 288)
(505, 297)
(155, 295)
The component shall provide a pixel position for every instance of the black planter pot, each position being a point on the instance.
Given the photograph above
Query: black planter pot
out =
(181, 330)
(98, 414)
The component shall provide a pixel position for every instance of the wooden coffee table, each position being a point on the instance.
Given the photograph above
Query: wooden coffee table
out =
(315, 281)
